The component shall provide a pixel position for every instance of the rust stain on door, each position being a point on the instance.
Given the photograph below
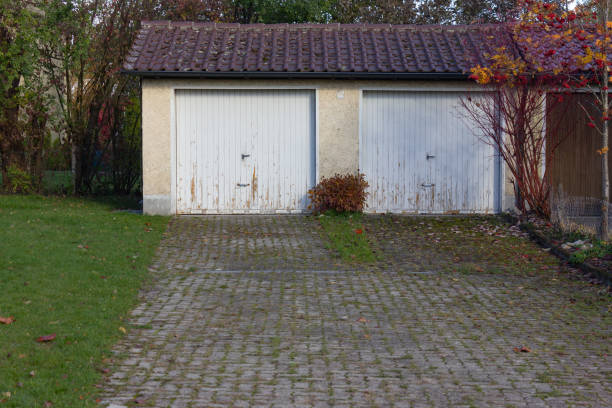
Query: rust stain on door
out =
(254, 184)
(193, 197)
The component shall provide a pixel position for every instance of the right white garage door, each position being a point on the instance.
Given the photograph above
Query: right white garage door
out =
(419, 155)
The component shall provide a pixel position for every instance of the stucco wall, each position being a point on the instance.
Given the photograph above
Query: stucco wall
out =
(337, 119)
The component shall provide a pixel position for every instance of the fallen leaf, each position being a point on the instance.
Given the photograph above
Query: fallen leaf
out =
(7, 320)
(32, 373)
(362, 320)
(122, 330)
(45, 339)
(6, 394)
(522, 349)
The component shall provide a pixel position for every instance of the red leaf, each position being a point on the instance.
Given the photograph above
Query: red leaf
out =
(358, 231)
(591, 125)
(45, 339)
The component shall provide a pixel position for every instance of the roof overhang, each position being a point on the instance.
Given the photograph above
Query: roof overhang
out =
(440, 76)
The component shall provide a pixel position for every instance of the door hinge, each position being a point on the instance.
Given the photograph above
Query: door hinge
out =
(427, 185)
(242, 185)
(430, 156)
(244, 156)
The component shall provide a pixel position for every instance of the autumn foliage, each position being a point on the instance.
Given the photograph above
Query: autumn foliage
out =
(557, 52)
(342, 193)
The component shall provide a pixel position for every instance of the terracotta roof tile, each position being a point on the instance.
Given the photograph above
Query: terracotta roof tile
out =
(163, 46)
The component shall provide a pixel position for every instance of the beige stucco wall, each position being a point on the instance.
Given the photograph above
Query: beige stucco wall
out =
(156, 130)
(338, 103)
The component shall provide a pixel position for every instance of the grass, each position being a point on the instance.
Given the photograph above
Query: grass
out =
(458, 244)
(600, 249)
(347, 236)
(71, 267)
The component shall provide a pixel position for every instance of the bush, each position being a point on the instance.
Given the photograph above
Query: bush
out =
(340, 193)
(57, 156)
(19, 181)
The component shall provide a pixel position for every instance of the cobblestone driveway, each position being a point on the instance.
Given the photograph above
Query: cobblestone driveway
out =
(254, 311)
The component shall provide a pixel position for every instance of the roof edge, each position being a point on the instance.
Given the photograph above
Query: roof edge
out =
(301, 75)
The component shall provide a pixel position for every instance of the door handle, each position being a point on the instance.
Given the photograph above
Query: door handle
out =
(242, 185)
(427, 185)
(244, 156)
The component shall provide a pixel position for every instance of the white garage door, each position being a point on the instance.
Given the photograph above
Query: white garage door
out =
(419, 156)
(244, 151)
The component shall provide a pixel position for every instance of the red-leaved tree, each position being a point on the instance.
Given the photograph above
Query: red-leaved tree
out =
(569, 51)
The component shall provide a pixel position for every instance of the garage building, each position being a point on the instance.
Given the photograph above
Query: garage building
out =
(241, 119)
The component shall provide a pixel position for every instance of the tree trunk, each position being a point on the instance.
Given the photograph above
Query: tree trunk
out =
(521, 156)
(605, 182)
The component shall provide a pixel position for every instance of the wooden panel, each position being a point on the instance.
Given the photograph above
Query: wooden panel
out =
(419, 156)
(575, 166)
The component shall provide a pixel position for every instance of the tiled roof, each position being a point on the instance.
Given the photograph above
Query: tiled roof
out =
(213, 48)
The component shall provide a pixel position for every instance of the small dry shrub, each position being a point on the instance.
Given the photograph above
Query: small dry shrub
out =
(341, 193)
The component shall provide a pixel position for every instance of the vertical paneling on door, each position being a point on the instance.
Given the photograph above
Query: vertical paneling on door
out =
(244, 151)
(419, 155)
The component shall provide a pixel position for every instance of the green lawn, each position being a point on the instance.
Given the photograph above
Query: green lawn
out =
(347, 236)
(70, 267)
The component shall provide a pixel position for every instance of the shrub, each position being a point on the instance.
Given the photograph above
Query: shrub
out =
(340, 193)
(19, 181)
(57, 155)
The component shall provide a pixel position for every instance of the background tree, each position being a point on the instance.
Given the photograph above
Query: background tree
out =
(82, 61)
(435, 12)
(23, 101)
(374, 11)
(483, 11)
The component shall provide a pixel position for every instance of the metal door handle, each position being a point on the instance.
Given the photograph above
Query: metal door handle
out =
(244, 156)
(427, 185)
(242, 185)
(430, 156)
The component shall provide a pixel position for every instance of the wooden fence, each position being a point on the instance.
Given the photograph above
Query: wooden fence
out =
(575, 166)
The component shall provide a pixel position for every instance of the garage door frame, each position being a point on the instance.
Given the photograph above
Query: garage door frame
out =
(499, 168)
(236, 87)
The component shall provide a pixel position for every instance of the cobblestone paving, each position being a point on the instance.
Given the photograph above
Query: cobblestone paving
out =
(363, 337)
(245, 243)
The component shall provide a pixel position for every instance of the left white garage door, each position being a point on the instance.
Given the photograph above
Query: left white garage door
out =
(244, 151)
